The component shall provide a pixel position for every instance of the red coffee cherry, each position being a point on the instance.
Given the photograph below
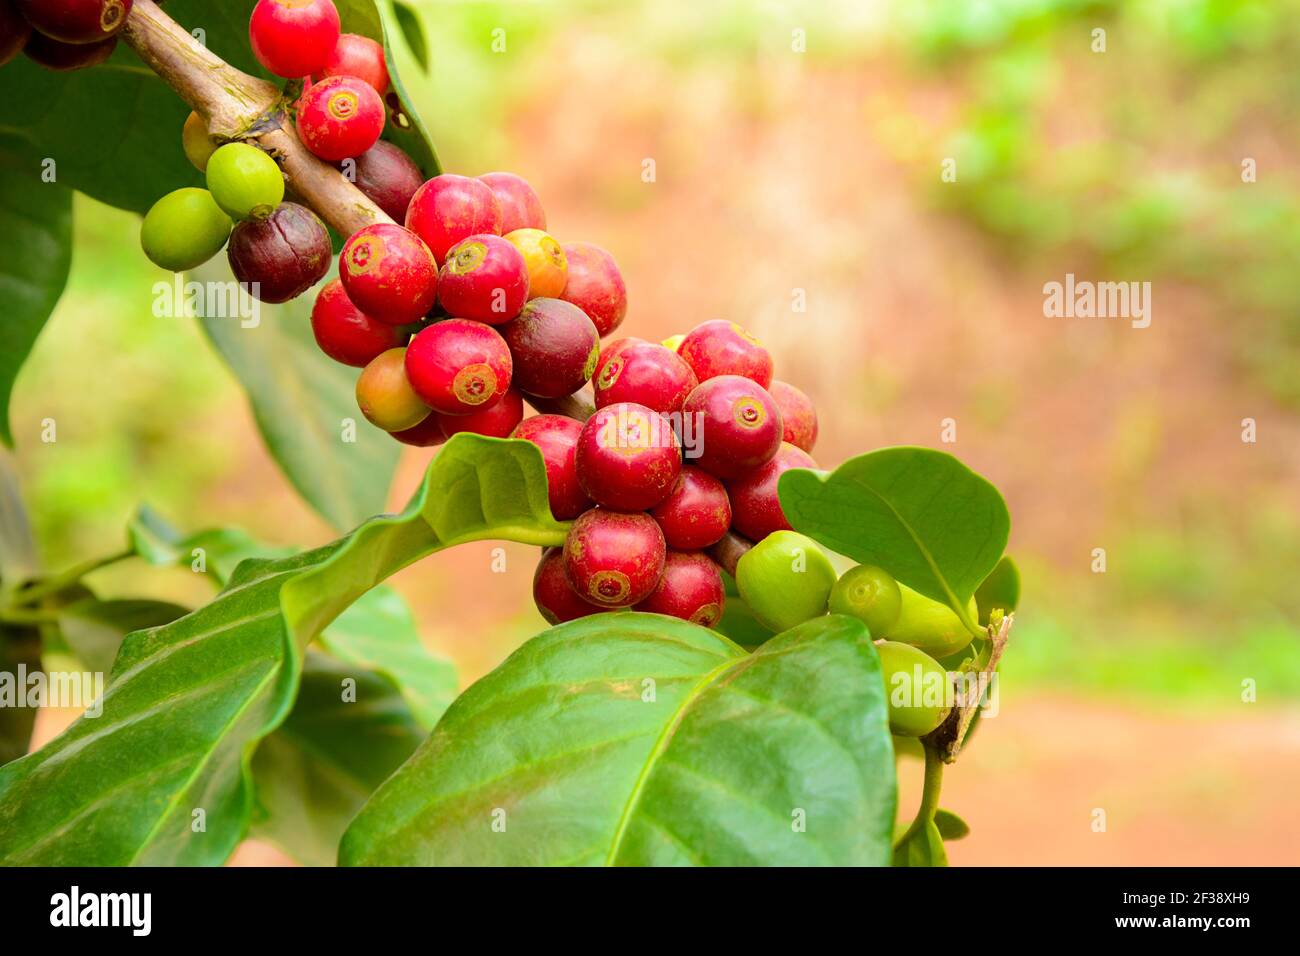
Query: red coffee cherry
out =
(483, 278)
(389, 273)
(15, 31)
(724, 348)
(75, 21)
(690, 588)
(645, 373)
(696, 513)
(385, 396)
(449, 208)
(496, 421)
(797, 413)
(293, 38)
(283, 256)
(554, 597)
(458, 366)
(756, 509)
(340, 117)
(557, 437)
(345, 333)
(387, 176)
(520, 207)
(358, 56)
(736, 423)
(64, 57)
(628, 457)
(555, 348)
(595, 285)
(614, 558)
(427, 434)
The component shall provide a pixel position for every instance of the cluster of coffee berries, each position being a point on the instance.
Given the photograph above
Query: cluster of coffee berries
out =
(61, 34)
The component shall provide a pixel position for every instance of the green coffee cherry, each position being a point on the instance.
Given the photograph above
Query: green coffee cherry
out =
(245, 181)
(915, 689)
(196, 142)
(184, 229)
(785, 579)
(928, 625)
(870, 594)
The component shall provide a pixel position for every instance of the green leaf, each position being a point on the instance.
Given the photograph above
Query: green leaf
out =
(408, 20)
(1001, 589)
(316, 771)
(950, 826)
(189, 702)
(636, 739)
(35, 254)
(405, 127)
(20, 654)
(154, 539)
(17, 549)
(922, 848)
(920, 514)
(94, 629)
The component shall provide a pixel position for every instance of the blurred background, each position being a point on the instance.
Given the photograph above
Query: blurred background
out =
(798, 153)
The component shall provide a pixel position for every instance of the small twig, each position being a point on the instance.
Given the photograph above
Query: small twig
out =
(728, 552)
(948, 738)
(580, 405)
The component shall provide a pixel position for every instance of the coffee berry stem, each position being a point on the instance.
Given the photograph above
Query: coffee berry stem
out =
(728, 551)
(579, 406)
(240, 107)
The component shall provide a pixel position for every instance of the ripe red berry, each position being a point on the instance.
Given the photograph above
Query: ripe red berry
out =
(449, 208)
(756, 509)
(797, 413)
(358, 56)
(555, 348)
(283, 256)
(554, 597)
(614, 558)
(293, 38)
(557, 437)
(483, 278)
(724, 348)
(520, 207)
(498, 420)
(644, 373)
(736, 423)
(15, 31)
(696, 513)
(427, 434)
(389, 273)
(690, 588)
(63, 57)
(385, 395)
(340, 117)
(628, 457)
(387, 176)
(76, 21)
(345, 333)
(595, 285)
(458, 366)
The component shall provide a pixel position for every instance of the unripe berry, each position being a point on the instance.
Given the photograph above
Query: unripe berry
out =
(911, 678)
(449, 208)
(387, 176)
(557, 437)
(871, 595)
(483, 278)
(184, 229)
(614, 558)
(281, 257)
(696, 513)
(628, 457)
(385, 395)
(293, 38)
(738, 424)
(195, 141)
(355, 55)
(595, 285)
(15, 31)
(554, 597)
(929, 625)
(797, 413)
(644, 373)
(547, 267)
(63, 57)
(345, 333)
(389, 273)
(724, 348)
(555, 348)
(690, 588)
(458, 366)
(427, 434)
(756, 509)
(340, 117)
(498, 420)
(520, 207)
(245, 181)
(76, 21)
(785, 579)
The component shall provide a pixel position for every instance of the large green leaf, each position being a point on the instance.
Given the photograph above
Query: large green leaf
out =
(188, 702)
(1000, 590)
(35, 254)
(920, 514)
(633, 739)
(316, 771)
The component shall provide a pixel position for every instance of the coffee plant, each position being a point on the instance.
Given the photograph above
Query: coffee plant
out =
(712, 690)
